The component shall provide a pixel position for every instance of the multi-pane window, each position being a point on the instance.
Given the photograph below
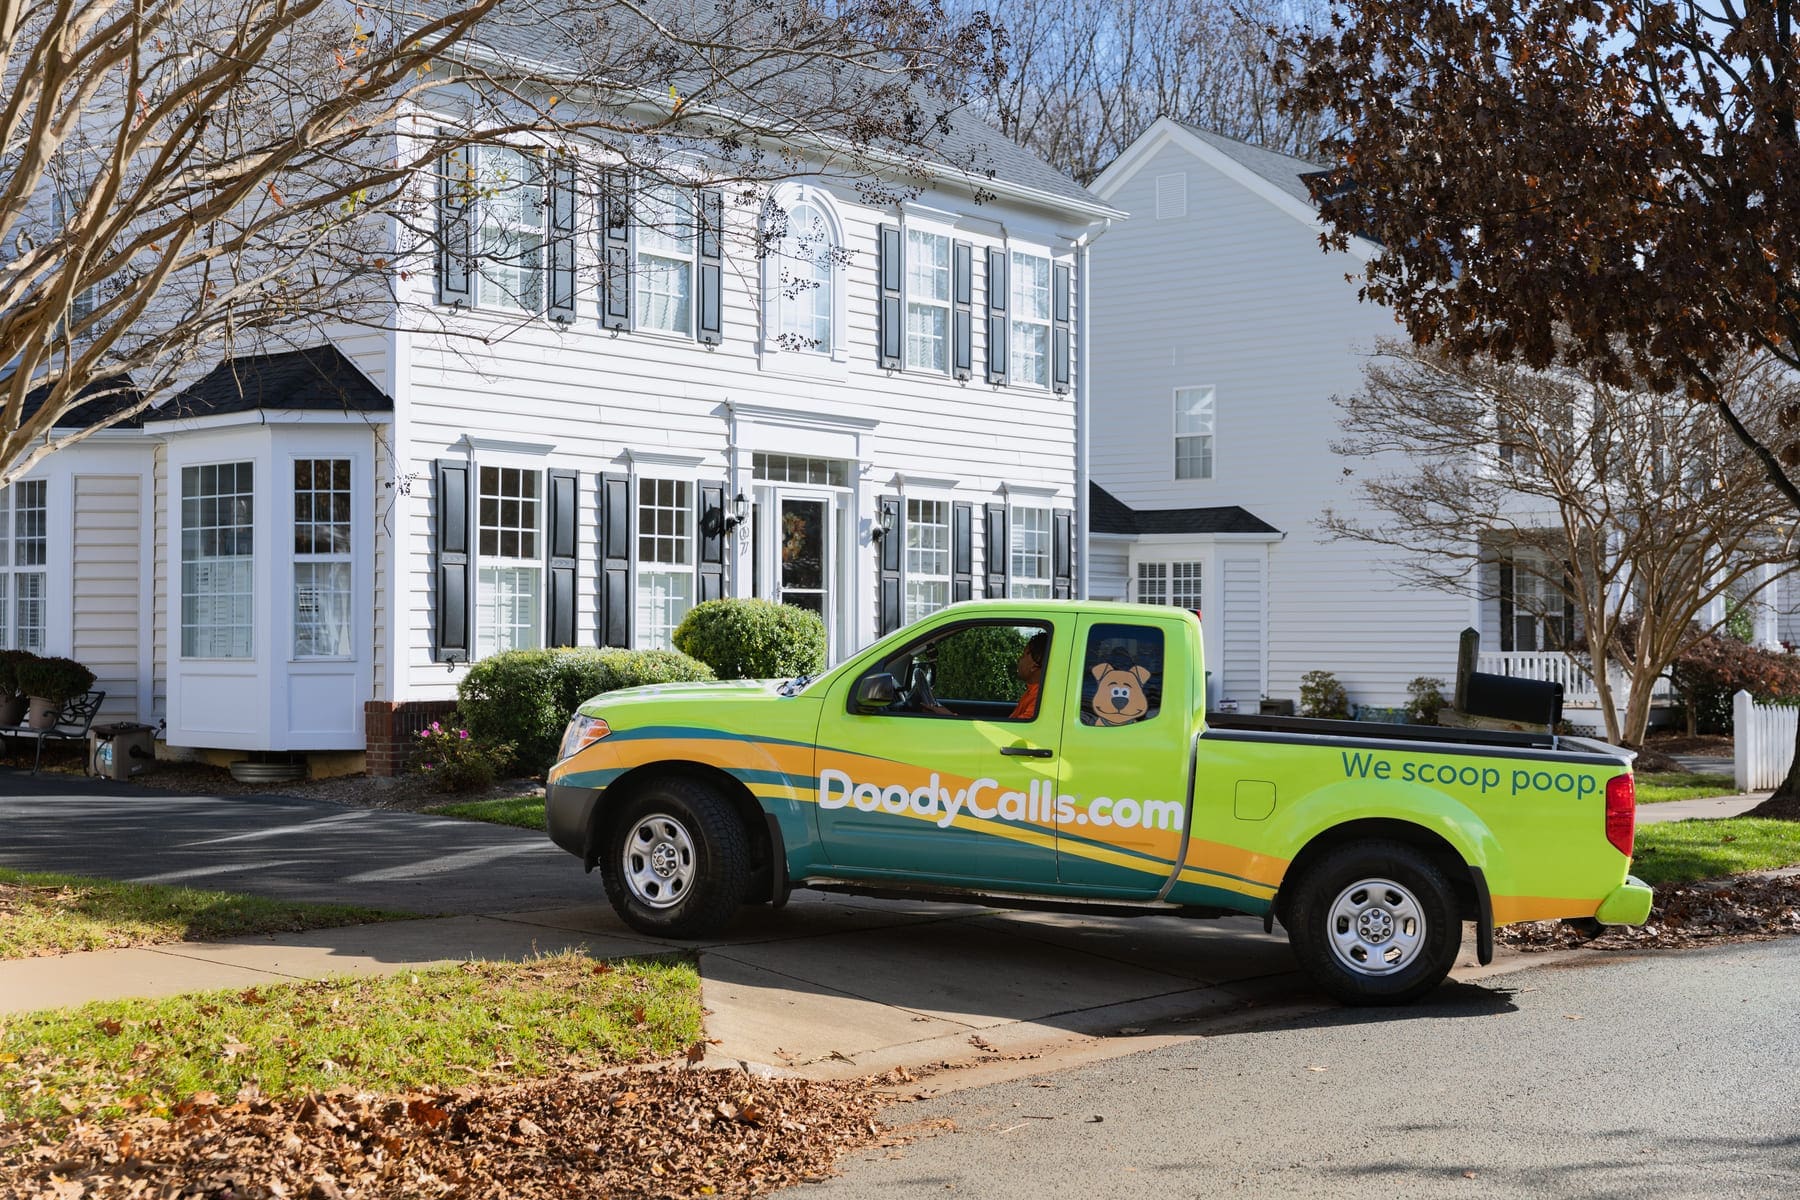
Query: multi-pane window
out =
(792, 468)
(665, 260)
(927, 301)
(1030, 553)
(509, 232)
(1176, 583)
(665, 559)
(1030, 319)
(927, 557)
(1194, 433)
(24, 551)
(803, 281)
(218, 560)
(509, 560)
(322, 558)
(1540, 609)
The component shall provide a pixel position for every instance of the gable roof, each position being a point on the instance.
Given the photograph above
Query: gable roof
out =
(966, 146)
(317, 379)
(96, 402)
(1283, 170)
(1108, 514)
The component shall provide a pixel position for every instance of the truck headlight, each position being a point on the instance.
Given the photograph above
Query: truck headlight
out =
(581, 733)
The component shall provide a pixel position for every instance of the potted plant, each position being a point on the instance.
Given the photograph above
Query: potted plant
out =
(50, 682)
(12, 700)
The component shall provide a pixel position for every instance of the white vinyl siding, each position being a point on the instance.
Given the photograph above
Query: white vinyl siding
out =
(218, 560)
(509, 230)
(927, 557)
(665, 260)
(107, 587)
(665, 560)
(1030, 319)
(1194, 424)
(927, 301)
(509, 564)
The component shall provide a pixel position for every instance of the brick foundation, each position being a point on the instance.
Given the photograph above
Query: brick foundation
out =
(392, 727)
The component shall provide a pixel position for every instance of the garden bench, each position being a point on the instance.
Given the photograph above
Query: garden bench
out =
(73, 721)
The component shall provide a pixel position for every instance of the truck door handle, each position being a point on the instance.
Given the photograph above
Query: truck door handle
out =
(1026, 752)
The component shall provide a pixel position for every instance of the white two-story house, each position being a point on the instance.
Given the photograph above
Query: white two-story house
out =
(596, 405)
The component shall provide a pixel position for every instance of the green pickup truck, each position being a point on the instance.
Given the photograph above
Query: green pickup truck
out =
(1058, 754)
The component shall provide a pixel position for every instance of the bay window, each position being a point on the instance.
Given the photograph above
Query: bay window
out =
(218, 560)
(322, 528)
(24, 552)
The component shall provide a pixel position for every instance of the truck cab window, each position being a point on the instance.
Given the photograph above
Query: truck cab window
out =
(1122, 675)
(974, 670)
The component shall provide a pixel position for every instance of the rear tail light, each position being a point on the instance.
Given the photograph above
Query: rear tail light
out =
(1621, 813)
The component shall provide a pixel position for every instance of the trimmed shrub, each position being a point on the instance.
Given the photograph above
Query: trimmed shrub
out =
(1321, 695)
(1425, 696)
(10, 662)
(753, 639)
(524, 698)
(981, 663)
(53, 679)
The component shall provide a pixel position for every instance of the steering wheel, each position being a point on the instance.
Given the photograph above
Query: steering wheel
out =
(919, 695)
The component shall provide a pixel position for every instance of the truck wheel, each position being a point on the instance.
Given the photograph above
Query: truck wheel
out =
(1375, 923)
(677, 860)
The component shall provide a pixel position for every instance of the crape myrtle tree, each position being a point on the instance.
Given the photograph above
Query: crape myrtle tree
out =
(1083, 78)
(1620, 516)
(1614, 186)
(186, 179)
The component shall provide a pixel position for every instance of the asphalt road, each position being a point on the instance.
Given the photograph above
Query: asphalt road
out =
(284, 848)
(1665, 1076)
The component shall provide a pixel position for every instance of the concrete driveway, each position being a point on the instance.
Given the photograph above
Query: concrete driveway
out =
(832, 985)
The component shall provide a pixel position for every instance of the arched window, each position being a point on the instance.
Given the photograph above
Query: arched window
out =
(802, 276)
(803, 280)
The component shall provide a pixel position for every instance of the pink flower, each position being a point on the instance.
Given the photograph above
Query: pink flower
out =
(463, 734)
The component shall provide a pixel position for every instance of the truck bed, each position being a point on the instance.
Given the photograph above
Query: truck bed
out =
(1373, 730)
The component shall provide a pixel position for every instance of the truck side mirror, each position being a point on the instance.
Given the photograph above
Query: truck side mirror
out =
(876, 692)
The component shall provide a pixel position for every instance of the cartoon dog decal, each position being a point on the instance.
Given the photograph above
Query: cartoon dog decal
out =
(1120, 699)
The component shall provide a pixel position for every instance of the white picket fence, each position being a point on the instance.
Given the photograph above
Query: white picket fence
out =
(1762, 742)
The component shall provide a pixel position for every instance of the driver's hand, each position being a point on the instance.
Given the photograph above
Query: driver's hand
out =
(937, 709)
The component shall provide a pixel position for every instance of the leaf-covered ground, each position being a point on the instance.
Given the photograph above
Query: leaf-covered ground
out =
(1743, 909)
(643, 1133)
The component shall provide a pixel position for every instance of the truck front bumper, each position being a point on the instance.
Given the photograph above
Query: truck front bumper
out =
(1629, 903)
(569, 815)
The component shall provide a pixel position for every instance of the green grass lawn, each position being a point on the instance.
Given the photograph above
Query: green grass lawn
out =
(1656, 787)
(1683, 851)
(472, 1023)
(61, 914)
(526, 812)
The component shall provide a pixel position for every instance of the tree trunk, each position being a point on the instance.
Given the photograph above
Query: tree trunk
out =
(1790, 787)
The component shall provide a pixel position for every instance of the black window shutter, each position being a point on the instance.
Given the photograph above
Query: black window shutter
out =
(998, 550)
(710, 327)
(1506, 605)
(615, 250)
(962, 317)
(562, 238)
(1060, 277)
(996, 322)
(560, 558)
(451, 518)
(455, 248)
(1062, 554)
(891, 335)
(713, 537)
(962, 552)
(615, 561)
(893, 515)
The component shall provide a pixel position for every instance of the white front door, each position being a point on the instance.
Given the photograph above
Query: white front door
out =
(800, 559)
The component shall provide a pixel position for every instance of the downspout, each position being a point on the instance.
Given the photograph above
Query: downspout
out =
(1084, 360)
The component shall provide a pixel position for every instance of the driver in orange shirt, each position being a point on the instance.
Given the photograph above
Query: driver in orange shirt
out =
(1031, 670)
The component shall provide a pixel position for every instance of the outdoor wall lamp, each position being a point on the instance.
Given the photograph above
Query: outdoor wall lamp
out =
(718, 521)
(881, 524)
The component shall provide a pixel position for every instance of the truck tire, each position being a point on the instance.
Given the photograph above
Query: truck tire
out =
(677, 860)
(1375, 922)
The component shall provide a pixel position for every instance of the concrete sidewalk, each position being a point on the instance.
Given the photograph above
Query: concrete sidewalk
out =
(1711, 808)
